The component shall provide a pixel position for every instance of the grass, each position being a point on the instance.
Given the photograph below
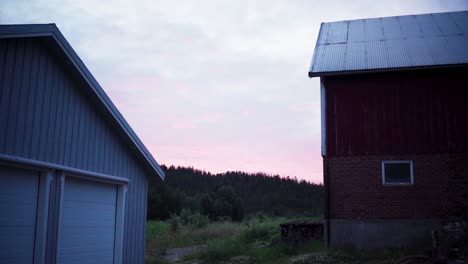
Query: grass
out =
(256, 240)
(160, 237)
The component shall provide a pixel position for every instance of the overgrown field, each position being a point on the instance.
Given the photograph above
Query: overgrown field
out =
(256, 240)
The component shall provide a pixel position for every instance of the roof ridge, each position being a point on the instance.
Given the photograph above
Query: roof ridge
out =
(419, 14)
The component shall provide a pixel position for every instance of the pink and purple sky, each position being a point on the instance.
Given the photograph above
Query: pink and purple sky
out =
(217, 85)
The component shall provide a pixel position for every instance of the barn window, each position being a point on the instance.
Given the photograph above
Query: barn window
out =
(397, 172)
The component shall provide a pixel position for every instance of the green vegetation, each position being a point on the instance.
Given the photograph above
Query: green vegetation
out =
(234, 218)
(231, 195)
(255, 240)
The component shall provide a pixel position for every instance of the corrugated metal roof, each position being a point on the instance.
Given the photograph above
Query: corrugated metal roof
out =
(426, 40)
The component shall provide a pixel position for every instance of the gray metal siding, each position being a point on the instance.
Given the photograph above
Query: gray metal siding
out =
(391, 43)
(46, 115)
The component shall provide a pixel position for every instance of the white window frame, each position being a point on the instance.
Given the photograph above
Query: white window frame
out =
(410, 162)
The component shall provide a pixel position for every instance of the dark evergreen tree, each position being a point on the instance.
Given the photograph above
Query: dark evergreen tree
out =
(231, 194)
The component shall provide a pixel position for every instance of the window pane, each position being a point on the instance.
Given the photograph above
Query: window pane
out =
(397, 172)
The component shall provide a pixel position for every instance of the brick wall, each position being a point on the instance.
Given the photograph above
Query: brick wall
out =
(356, 191)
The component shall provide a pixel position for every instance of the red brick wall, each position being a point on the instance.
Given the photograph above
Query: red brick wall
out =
(356, 191)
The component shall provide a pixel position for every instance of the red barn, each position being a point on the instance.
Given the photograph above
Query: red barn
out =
(394, 126)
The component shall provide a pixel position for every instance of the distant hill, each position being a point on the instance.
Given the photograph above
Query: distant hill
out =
(190, 188)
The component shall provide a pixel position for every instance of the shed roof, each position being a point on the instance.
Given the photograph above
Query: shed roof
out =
(52, 33)
(391, 43)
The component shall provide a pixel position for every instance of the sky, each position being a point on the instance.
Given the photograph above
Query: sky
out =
(217, 85)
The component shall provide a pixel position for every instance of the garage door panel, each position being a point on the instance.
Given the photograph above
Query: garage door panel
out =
(17, 245)
(92, 257)
(19, 190)
(89, 237)
(18, 182)
(26, 260)
(87, 229)
(77, 214)
(23, 214)
(87, 249)
(97, 192)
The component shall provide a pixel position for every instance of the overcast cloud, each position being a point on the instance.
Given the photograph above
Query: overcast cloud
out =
(218, 85)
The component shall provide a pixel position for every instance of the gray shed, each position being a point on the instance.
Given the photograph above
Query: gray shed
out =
(73, 174)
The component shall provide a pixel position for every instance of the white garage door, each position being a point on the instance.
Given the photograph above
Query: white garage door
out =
(87, 228)
(18, 208)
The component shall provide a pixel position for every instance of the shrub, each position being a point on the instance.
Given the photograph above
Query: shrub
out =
(185, 215)
(198, 220)
(174, 222)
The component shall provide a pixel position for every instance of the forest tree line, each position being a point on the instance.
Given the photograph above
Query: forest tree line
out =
(231, 195)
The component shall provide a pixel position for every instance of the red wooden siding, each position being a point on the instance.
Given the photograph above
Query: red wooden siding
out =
(397, 113)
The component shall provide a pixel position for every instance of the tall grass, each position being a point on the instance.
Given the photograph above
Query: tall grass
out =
(256, 240)
(162, 235)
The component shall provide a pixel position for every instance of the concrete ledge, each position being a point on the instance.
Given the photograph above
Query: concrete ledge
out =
(379, 233)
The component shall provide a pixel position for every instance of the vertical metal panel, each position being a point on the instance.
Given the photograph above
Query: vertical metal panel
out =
(43, 148)
(3, 92)
(357, 30)
(461, 19)
(53, 114)
(13, 99)
(376, 55)
(338, 32)
(38, 111)
(397, 113)
(317, 59)
(397, 54)
(428, 26)
(21, 107)
(438, 49)
(458, 46)
(355, 56)
(446, 24)
(333, 57)
(409, 27)
(373, 29)
(58, 123)
(417, 48)
(391, 28)
(322, 38)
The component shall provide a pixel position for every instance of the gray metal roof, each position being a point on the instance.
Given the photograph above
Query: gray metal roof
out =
(51, 31)
(386, 43)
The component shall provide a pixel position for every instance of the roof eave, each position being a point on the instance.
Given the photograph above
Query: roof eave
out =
(414, 68)
(51, 30)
